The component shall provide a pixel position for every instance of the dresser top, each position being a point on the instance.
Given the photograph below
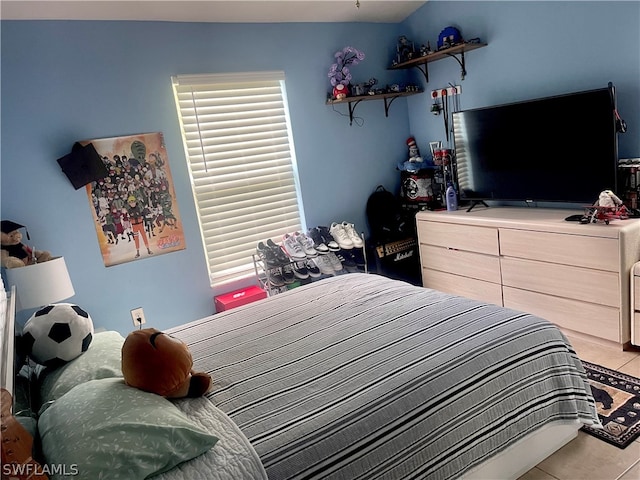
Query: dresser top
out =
(531, 218)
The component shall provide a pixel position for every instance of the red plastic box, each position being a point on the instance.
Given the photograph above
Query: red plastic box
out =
(236, 298)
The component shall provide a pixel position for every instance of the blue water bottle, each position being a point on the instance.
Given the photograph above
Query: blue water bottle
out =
(452, 198)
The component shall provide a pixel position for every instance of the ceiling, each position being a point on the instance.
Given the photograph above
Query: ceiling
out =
(225, 11)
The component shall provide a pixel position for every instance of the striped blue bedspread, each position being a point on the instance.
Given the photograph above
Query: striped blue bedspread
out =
(363, 377)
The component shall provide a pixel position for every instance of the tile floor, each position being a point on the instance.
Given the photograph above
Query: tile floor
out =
(586, 457)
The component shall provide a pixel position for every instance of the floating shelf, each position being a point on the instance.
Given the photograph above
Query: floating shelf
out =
(354, 101)
(421, 62)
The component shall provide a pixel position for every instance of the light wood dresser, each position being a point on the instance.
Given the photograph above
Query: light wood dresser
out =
(530, 259)
(635, 305)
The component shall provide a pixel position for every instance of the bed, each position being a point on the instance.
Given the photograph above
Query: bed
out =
(361, 377)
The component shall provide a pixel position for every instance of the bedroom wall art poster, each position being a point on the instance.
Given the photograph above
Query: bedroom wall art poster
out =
(134, 207)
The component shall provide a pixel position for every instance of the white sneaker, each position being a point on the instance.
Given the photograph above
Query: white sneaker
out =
(324, 265)
(353, 234)
(292, 248)
(306, 243)
(341, 236)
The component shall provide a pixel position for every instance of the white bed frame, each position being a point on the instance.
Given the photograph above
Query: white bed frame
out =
(526, 453)
(7, 338)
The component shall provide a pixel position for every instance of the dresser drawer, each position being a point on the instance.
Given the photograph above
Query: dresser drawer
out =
(460, 237)
(462, 286)
(590, 318)
(584, 251)
(461, 262)
(636, 292)
(562, 280)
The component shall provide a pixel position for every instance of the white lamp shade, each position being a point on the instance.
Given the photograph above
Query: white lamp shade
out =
(41, 283)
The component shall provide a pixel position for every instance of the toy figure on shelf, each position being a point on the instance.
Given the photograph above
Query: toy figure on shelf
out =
(449, 37)
(425, 50)
(340, 91)
(415, 162)
(414, 152)
(404, 50)
(14, 252)
(608, 207)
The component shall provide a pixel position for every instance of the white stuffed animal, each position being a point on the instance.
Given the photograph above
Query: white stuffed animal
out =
(608, 199)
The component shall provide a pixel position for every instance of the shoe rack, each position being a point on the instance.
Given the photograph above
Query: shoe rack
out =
(269, 276)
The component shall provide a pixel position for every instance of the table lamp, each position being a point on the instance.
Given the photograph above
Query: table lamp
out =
(41, 283)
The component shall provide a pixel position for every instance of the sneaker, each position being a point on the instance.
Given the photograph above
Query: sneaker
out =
(335, 262)
(353, 234)
(275, 278)
(346, 258)
(292, 248)
(306, 243)
(278, 252)
(328, 239)
(300, 270)
(357, 254)
(313, 269)
(267, 255)
(340, 235)
(318, 241)
(288, 274)
(324, 264)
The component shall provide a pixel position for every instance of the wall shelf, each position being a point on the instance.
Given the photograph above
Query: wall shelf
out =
(457, 53)
(353, 102)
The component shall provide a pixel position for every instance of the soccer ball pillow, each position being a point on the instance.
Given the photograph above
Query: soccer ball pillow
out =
(57, 333)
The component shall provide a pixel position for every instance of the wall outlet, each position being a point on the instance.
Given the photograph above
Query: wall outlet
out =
(137, 315)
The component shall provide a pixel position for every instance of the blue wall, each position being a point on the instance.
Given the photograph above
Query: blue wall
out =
(535, 49)
(68, 81)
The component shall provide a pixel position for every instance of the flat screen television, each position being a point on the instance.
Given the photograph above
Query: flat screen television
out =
(555, 149)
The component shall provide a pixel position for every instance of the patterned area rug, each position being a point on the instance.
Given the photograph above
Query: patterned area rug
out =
(617, 397)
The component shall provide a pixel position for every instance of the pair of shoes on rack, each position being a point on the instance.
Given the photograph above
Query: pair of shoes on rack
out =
(298, 246)
(306, 268)
(324, 242)
(329, 263)
(345, 235)
(275, 277)
(271, 254)
(347, 260)
(281, 276)
(352, 259)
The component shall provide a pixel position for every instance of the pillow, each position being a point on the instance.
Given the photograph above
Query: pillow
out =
(107, 429)
(101, 360)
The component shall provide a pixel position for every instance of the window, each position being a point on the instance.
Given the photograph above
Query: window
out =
(239, 148)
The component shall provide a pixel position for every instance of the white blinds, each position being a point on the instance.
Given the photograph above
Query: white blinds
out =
(238, 145)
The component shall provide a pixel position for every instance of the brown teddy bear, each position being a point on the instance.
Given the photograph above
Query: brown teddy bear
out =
(14, 252)
(159, 363)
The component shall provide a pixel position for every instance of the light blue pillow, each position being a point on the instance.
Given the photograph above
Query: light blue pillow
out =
(101, 360)
(105, 429)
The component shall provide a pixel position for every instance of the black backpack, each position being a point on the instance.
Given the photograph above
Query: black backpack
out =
(387, 219)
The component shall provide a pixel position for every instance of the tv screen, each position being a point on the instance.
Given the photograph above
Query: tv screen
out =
(555, 149)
